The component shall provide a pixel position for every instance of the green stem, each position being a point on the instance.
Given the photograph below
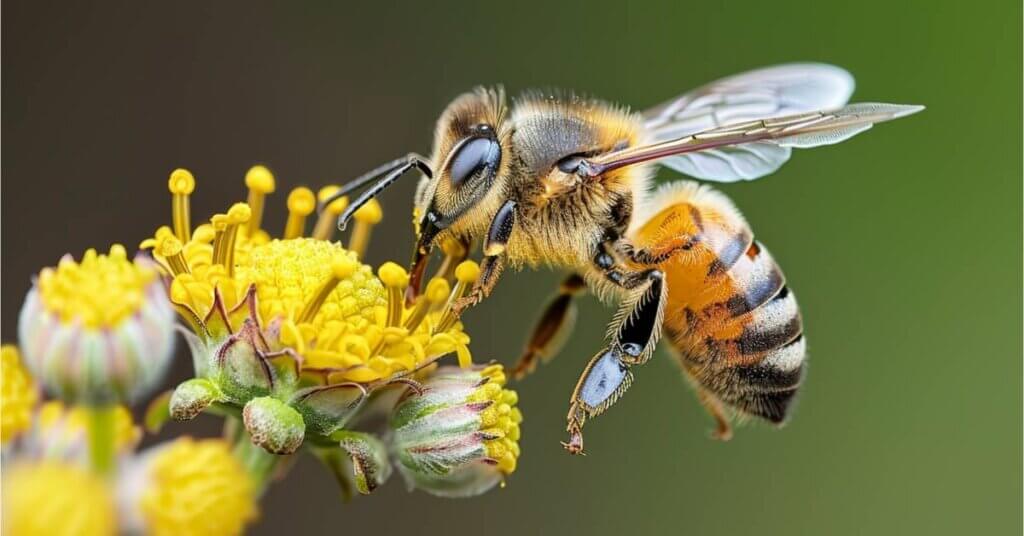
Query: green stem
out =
(258, 462)
(101, 438)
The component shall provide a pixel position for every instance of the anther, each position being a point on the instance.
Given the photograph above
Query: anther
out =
(181, 184)
(437, 292)
(225, 228)
(326, 222)
(342, 267)
(366, 217)
(466, 275)
(260, 182)
(301, 203)
(395, 279)
(170, 248)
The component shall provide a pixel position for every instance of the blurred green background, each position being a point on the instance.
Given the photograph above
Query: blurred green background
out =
(903, 245)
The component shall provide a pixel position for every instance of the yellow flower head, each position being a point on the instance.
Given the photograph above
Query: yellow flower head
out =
(56, 499)
(18, 395)
(99, 330)
(309, 295)
(195, 487)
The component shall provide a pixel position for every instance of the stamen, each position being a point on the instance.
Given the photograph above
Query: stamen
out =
(454, 253)
(395, 279)
(181, 184)
(465, 274)
(327, 222)
(260, 182)
(225, 228)
(301, 203)
(170, 249)
(437, 292)
(366, 217)
(342, 266)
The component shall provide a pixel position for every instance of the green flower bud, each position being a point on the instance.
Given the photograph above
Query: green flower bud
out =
(274, 425)
(459, 437)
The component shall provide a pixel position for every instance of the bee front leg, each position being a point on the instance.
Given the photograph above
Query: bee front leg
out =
(494, 249)
(634, 336)
(553, 328)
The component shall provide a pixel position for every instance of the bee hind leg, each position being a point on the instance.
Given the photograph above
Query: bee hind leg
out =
(554, 327)
(714, 406)
(634, 335)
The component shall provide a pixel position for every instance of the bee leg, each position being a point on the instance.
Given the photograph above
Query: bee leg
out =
(553, 328)
(634, 335)
(494, 249)
(723, 429)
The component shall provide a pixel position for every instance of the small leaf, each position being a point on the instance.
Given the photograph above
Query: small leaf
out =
(369, 456)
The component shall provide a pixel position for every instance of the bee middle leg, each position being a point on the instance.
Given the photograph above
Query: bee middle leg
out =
(553, 328)
(634, 334)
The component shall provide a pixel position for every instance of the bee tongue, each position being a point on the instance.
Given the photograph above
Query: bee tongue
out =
(416, 271)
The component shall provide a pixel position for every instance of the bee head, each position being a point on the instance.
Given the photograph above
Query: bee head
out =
(468, 161)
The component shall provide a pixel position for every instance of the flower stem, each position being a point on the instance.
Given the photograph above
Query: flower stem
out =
(258, 462)
(101, 438)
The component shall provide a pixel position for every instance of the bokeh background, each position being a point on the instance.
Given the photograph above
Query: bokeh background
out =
(904, 245)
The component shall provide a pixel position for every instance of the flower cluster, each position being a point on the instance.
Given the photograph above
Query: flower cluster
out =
(295, 342)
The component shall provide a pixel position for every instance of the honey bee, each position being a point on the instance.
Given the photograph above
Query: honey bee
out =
(566, 181)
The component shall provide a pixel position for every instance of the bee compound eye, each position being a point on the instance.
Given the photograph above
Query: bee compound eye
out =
(473, 156)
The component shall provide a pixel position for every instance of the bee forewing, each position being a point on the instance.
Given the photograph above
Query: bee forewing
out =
(753, 149)
(763, 93)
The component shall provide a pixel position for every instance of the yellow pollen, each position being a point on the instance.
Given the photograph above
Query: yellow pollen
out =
(301, 203)
(100, 291)
(327, 221)
(366, 217)
(181, 184)
(260, 182)
(454, 252)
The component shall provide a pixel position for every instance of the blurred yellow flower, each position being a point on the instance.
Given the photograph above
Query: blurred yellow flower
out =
(18, 395)
(56, 499)
(195, 488)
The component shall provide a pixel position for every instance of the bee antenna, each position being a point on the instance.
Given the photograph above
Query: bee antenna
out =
(407, 163)
(369, 176)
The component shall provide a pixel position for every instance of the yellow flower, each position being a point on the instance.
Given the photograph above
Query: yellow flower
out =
(306, 294)
(97, 331)
(194, 487)
(18, 395)
(57, 499)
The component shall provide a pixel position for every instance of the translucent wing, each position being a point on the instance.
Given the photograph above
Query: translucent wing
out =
(756, 139)
(765, 93)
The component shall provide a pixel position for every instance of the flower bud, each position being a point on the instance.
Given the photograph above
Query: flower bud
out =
(98, 331)
(274, 425)
(459, 437)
